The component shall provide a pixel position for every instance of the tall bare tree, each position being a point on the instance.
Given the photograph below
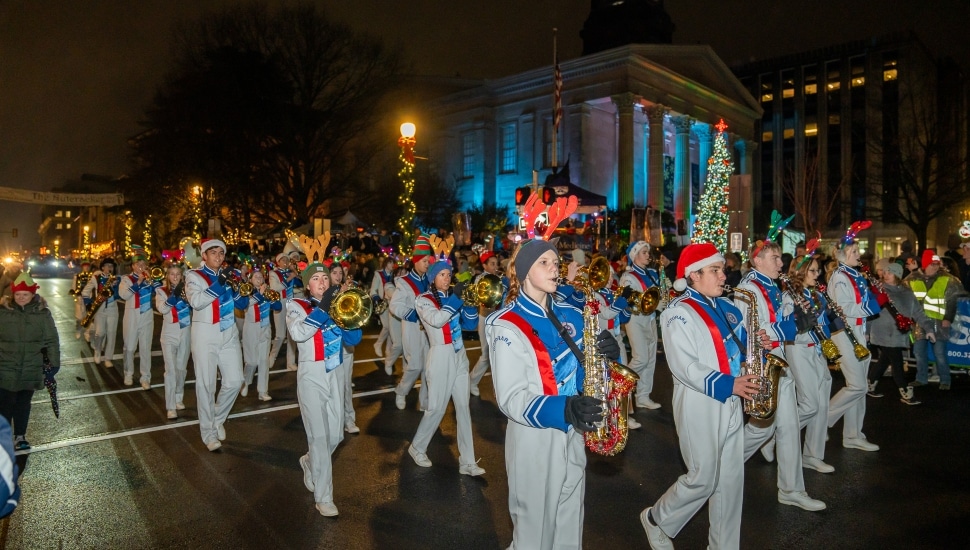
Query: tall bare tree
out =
(814, 202)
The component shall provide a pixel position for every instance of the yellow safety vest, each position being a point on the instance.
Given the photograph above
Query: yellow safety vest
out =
(934, 300)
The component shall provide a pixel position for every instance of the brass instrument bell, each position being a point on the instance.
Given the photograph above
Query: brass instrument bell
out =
(352, 308)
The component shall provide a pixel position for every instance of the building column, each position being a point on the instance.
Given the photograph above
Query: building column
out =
(655, 159)
(682, 202)
(587, 145)
(624, 109)
(705, 145)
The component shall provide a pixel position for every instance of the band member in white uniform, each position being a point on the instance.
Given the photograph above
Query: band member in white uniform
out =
(490, 266)
(106, 318)
(256, 335)
(538, 379)
(215, 342)
(382, 277)
(849, 290)
(338, 278)
(641, 330)
(175, 337)
(394, 335)
(703, 338)
(80, 281)
(318, 387)
(281, 280)
(807, 364)
(446, 370)
(136, 289)
(781, 433)
(408, 288)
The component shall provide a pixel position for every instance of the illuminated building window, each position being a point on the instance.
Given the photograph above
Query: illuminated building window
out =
(811, 129)
(788, 88)
(68, 226)
(858, 81)
(767, 98)
(788, 133)
(811, 89)
(767, 91)
(68, 214)
(833, 85)
(60, 214)
(468, 155)
(509, 148)
(834, 119)
(766, 136)
(889, 74)
(59, 226)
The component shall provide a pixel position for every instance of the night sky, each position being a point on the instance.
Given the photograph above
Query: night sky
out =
(75, 76)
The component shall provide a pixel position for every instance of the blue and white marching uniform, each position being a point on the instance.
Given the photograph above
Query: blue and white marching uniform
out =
(641, 331)
(705, 359)
(256, 339)
(138, 326)
(481, 366)
(414, 339)
(318, 388)
(534, 371)
(850, 291)
(446, 372)
(380, 279)
(106, 318)
(175, 342)
(215, 345)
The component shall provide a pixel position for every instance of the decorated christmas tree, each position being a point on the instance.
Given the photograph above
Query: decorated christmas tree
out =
(711, 225)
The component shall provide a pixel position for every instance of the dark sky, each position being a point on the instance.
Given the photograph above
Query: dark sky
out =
(76, 75)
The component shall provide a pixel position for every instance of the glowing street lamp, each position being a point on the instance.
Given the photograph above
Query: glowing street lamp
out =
(406, 142)
(57, 248)
(86, 243)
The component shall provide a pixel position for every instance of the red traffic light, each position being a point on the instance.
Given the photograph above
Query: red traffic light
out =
(548, 195)
(522, 195)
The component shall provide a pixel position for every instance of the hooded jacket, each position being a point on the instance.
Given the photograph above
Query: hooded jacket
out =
(24, 331)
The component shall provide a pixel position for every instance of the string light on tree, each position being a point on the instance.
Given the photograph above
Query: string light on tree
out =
(147, 236)
(86, 243)
(128, 223)
(406, 142)
(712, 221)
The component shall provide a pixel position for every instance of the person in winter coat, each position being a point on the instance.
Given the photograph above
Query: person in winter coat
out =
(26, 328)
(885, 335)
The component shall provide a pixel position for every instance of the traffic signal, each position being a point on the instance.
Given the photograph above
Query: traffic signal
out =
(13, 232)
(548, 195)
(522, 195)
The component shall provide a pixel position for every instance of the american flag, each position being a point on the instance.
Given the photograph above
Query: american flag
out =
(557, 108)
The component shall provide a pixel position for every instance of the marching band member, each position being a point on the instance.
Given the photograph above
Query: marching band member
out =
(282, 280)
(850, 291)
(80, 281)
(408, 288)
(175, 337)
(807, 365)
(256, 335)
(338, 274)
(702, 335)
(318, 387)
(106, 318)
(490, 266)
(446, 369)
(641, 330)
(138, 326)
(537, 373)
(781, 433)
(215, 342)
(381, 278)
(395, 332)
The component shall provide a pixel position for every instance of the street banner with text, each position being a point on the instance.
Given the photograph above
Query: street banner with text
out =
(61, 199)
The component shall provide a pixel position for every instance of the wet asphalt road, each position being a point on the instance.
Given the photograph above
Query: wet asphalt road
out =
(114, 473)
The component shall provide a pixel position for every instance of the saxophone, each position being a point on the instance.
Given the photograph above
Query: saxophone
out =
(767, 366)
(861, 352)
(829, 349)
(605, 380)
(103, 294)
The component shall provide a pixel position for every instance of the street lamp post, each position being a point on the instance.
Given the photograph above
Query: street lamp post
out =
(86, 243)
(57, 248)
(406, 142)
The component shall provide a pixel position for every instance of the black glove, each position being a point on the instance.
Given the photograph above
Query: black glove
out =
(607, 346)
(223, 278)
(804, 322)
(582, 412)
(459, 288)
(626, 292)
(327, 298)
(179, 289)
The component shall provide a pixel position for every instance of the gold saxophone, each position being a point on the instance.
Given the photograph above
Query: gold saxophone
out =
(606, 380)
(758, 361)
(103, 294)
(861, 352)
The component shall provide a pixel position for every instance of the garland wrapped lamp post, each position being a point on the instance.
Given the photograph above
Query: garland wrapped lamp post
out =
(406, 143)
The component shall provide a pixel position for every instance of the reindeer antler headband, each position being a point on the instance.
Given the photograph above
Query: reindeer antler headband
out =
(810, 248)
(774, 229)
(851, 233)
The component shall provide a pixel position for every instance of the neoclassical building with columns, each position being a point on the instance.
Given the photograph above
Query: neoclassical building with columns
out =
(637, 127)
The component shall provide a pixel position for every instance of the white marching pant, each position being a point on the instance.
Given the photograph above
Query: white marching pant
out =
(175, 353)
(136, 333)
(447, 379)
(213, 350)
(282, 336)
(415, 352)
(383, 336)
(481, 366)
(255, 344)
(783, 426)
(318, 392)
(813, 386)
(642, 333)
(106, 329)
(850, 401)
(345, 372)
(396, 342)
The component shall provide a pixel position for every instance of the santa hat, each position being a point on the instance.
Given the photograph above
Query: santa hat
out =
(280, 256)
(422, 248)
(212, 243)
(694, 258)
(634, 249)
(24, 283)
(928, 258)
(485, 256)
(438, 267)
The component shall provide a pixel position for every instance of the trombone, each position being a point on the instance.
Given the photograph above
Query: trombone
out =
(487, 292)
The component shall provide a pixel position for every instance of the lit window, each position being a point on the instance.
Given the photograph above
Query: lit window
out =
(889, 74)
(509, 147)
(833, 86)
(811, 89)
(60, 214)
(59, 226)
(765, 98)
(468, 155)
(766, 136)
(788, 133)
(858, 81)
(788, 93)
(811, 129)
(68, 226)
(68, 214)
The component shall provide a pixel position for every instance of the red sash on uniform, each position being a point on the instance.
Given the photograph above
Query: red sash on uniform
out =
(445, 330)
(549, 386)
(414, 287)
(134, 280)
(719, 349)
(215, 303)
(319, 353)
(771, 307)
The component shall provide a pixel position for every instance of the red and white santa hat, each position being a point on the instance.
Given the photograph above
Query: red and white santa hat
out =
(212, 243)
(695, 258)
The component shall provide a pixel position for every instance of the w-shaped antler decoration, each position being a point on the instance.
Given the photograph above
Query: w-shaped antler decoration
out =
(559, 211)
(315, 249)
(533, 207)
(442, 247)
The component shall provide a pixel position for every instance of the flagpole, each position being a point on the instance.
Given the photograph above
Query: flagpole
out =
(556, 99)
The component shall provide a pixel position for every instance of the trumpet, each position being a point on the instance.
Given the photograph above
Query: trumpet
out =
(156, 274)
(272, 295)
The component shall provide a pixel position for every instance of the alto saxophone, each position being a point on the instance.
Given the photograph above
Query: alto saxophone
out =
(767, 366)
(606, 380)
(829, 349)
(861, 352)
(103, 294)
